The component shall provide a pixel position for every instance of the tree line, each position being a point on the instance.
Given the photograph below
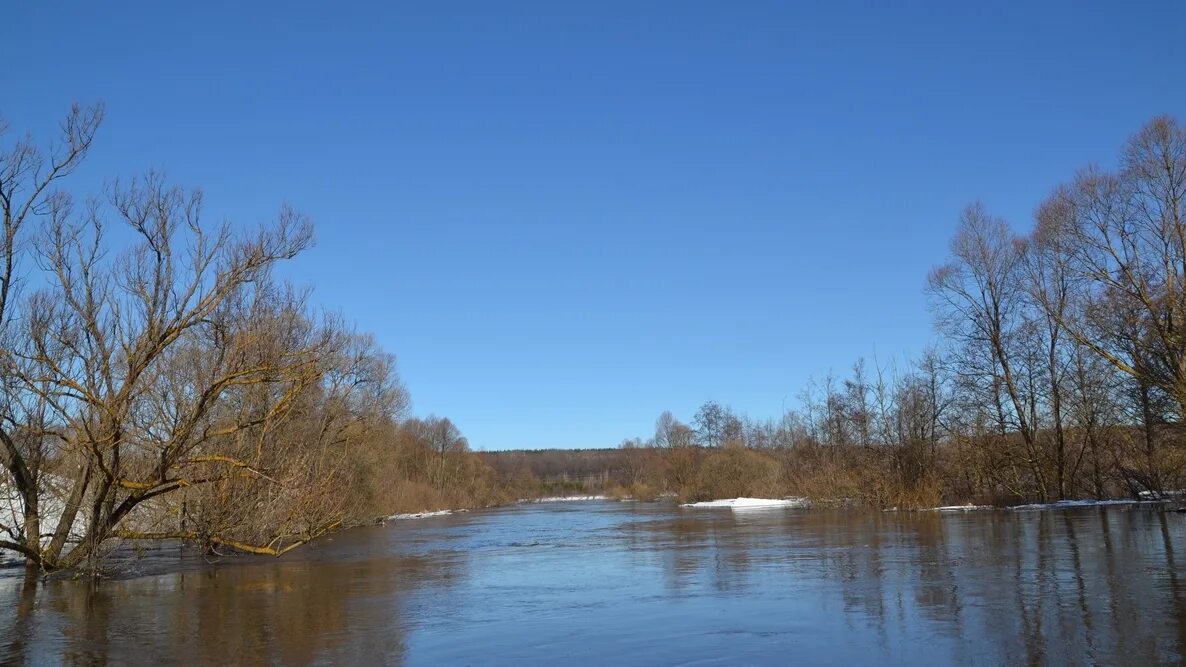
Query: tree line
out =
(157, 381)
(1059, 371)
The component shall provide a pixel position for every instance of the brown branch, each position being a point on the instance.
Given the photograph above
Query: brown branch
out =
(21, 549)
(218, 458)
(272, 548)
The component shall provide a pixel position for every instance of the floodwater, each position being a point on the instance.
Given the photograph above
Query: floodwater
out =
(609, 583)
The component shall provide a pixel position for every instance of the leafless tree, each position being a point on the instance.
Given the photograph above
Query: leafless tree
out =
(711, 422)
(1120, 238)
(980, 304)
(28, 174)
(172, 368)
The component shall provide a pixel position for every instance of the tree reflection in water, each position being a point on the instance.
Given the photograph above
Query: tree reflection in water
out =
(291, 611)
(1072, 587)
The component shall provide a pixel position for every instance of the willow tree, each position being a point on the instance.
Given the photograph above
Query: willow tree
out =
(172, 366)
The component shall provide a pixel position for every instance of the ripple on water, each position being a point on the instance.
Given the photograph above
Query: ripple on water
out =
(642, 583)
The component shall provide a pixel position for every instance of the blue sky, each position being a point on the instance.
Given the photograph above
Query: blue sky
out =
(564, 218)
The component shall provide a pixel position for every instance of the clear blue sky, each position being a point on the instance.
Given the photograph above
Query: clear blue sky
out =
(564, 218)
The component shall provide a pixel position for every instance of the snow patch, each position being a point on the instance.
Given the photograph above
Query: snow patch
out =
(962, 508)
(565, 499)
(52, 501)
(1163, 495)
(1070, 504)
(418, 515)
(752, 503)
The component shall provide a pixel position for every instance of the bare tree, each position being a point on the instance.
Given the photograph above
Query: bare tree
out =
(1049, 284)
(980, 303)
(709, 424)
(166, 367)
(1121, 239)
(27, 175)
(443, 446)
(665, 426)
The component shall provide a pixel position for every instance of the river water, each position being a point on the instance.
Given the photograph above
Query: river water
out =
(610, 583)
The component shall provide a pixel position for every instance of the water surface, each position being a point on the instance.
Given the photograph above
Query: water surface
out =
(644, 584)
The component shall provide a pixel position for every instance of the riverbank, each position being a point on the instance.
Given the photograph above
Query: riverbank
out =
(742, 503)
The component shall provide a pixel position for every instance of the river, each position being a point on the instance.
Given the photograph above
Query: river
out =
(602, 582)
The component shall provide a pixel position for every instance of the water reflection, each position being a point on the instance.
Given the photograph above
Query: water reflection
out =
(329, 608)
(645, 584)
(1083, 587)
